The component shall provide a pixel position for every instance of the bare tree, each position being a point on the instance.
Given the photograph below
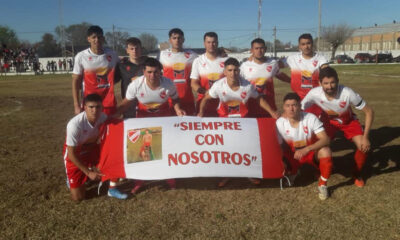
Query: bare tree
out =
(149, 41)
(117, 40)
(336, 35)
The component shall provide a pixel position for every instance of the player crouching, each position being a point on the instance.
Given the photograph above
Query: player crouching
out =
(81, 149)
(305, 141)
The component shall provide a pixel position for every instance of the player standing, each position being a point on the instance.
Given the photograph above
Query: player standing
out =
(336, 101)
(81, 149)
(206, 70)
(94, 72)
(305, 141)
(260, 71)
(128, 69)
(177, 64)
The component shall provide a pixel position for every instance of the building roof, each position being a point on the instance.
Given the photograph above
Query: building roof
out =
(378, 29)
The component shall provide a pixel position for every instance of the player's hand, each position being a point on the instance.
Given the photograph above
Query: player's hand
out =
(180, 112)
(95, 174)
(365, 144)
(77, 110)
(299, 154)
(275, 115)
(200, 114)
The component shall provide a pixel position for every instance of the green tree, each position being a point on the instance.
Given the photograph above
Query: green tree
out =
(48, 47)
(117, 41)
(75, 33)
(149, 42)
(8, 37)
(336, 35)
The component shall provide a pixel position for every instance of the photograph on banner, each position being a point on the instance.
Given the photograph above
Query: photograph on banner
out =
(144, 144)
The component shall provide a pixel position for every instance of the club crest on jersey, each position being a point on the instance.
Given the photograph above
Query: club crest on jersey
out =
(342, 104)
(305, 129)
(250, 69)
(169, 54)
(109, 58)
(163, 94)
(187, 55)
(128, 68)
(133, 135)
(223, 93)
(287, 132)
(243, 95)
(222, 64)
(90, 58)
(204, 65)
(142, 95)
(269, 68)
(314, 63)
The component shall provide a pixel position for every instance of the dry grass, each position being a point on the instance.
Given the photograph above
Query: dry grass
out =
(35, 204)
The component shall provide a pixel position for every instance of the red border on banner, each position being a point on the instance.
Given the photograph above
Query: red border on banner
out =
(271, 153)
(111, 157)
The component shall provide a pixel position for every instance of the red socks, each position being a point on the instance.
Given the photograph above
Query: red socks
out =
(325, 167)
(359, 161)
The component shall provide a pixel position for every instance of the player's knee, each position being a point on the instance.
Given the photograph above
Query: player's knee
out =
(324, 152)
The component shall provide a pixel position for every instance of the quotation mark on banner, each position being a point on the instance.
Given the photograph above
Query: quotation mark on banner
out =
(254, 158)
(176, 125)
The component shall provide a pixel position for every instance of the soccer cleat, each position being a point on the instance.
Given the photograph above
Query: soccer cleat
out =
(115, 193)
(359, 182)
(136, 189)
(323, 192)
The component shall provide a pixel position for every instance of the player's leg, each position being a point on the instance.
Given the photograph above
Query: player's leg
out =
(359, 161)
(78, 194)
(325, 166)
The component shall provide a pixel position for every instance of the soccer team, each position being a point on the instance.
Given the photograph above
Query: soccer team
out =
(317, 108)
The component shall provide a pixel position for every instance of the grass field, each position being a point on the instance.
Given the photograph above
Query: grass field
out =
(35, 202)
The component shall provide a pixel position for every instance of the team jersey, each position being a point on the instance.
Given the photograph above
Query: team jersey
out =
(177, 67)
(304, 72)
(338, 109)
(98, 74)
(126, 71)
(152, 102)
(261, 76)
(303, 135)
(232, 103)
(80, 131)
(208, 72)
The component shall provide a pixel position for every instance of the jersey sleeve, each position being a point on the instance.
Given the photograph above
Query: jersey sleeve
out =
(253, 92)
(213, 91)
(72, 135)
(287, 62)
(275, 68)
(131, 92)
(241, 68)
(78, 69)
(195, 70)
(278, 132)
(307, 101)
(317, 125)
(172, 92)
(322, 60)
(356, 100)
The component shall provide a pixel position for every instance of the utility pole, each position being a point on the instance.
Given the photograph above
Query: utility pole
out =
(63, 49)
(319, 25)
(274, 43)
(113, 36)
(259, 18)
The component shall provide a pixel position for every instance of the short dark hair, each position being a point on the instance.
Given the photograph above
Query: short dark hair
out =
(258, 40)
(306, 36)
(210, 34)
(133, 41)
(328, 72)
(175, 31)
(94, 29)
(291, 96)
(94, 97)
(152, 62)
(231, 61)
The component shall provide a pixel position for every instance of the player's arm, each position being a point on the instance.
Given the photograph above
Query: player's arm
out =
(369, 118)
(196, 87)
(76, 88)
(178, 110)
(203, 104)
(283, 77)
(267, 107)
(323, 141)
(122, 107)
(93, 174)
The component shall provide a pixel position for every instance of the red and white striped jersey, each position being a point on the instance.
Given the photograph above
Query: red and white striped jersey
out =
(98, 74)
(177, 67)
(304, 72)
(80, 131)
(303, 135)
(339, 108)
(232, 103)
(152, 101)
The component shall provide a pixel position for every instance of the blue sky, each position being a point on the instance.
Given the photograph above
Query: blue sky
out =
(235, 21)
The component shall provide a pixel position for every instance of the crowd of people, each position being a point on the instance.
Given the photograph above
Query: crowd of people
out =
(317, 108)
